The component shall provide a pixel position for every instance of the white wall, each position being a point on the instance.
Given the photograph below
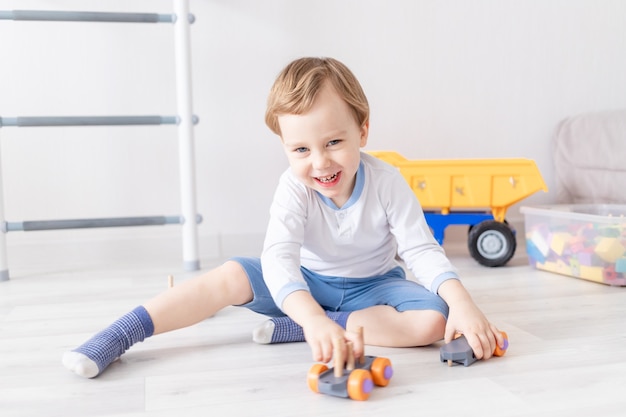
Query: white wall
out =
(445, 79)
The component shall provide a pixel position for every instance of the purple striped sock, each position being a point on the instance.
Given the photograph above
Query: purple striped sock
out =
(286, 330)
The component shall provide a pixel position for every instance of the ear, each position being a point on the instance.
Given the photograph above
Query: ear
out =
(365, 130)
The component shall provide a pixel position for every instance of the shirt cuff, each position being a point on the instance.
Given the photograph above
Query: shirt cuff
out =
(288, 289)
(434, 286)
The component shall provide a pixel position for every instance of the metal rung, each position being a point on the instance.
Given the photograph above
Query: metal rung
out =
(40, 121)
(66, 16)
(28, 226)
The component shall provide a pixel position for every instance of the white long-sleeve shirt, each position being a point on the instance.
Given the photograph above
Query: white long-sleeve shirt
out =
(382, 218)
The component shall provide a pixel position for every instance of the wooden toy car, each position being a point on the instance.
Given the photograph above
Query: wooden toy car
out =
(459, 351)
(350, 378)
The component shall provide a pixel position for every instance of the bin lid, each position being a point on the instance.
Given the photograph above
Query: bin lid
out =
(605, 213)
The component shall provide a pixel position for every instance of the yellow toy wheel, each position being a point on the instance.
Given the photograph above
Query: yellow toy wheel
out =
(381, 371)
(313, 376)
(360, 384)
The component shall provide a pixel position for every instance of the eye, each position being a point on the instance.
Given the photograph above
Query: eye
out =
(334, 142)
(301, 149)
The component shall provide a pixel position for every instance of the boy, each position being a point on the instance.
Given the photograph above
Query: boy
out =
(337, 222)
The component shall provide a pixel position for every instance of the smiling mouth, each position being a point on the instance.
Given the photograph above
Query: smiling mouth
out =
(329, 179)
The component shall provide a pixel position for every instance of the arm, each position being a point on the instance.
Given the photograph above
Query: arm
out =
(319, 330)
(466, 318)
(281, 270)
(428, 262)
(416, 245)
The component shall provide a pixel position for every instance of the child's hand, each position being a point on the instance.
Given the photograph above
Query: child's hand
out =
(466, 318)
(320, 332)
(481, 335)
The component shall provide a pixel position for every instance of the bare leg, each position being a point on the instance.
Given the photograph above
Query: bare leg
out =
(199, 298)
(178, 307)
(385, 326)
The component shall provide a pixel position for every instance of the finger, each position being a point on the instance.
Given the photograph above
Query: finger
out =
(449, 333)
(485, 345)
(339, 353)
(327, 351)
(499, 336)
(357, 343)
(487, 349)
(476, 344)
(489, 344)
(493, 340)
(316, 352)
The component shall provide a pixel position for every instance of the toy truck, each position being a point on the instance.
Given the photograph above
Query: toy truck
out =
(350, 378)
(472, 192)
(459, 351)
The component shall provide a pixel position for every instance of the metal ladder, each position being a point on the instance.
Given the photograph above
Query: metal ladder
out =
(185, 120)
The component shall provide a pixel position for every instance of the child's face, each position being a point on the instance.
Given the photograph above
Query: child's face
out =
(323, 145)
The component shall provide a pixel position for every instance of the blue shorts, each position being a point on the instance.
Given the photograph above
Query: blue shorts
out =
(346, 294)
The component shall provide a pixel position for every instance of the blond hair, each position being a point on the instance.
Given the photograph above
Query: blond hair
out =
(297, 85)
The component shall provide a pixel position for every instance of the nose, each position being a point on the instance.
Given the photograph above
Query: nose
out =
(321, 160)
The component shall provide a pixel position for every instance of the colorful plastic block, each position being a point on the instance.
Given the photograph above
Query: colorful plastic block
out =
(585, 257)
(533, 253)
(609, 249)
(559, 242)
(574, 265)
(592, 273)
(577, 244)
(609, 274)
(591, 250)
(540, 242)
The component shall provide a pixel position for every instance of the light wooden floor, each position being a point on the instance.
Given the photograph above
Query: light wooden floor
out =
(567, 354)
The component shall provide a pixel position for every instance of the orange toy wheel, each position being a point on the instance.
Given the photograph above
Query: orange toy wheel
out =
(360, 384)
(313, 376)
(501, 351)
(381, 371)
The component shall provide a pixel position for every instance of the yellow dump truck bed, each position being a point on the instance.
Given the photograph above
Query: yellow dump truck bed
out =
(468, 184)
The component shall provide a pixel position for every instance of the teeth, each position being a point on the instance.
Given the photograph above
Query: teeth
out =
(327, 179)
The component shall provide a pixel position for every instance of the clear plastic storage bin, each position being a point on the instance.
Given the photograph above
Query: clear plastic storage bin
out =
(585, 241)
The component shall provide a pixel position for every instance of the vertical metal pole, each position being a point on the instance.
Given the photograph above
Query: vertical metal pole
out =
(4, 261)
(185, 135)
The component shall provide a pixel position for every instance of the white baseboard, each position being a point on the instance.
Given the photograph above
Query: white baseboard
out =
(122, 246)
